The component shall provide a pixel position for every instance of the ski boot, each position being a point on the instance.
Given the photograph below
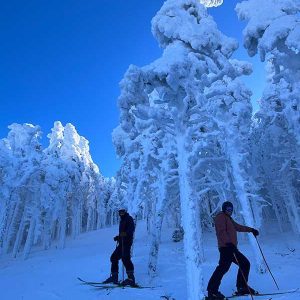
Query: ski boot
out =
(130, 280)
(245, 291)
(215, 296)
(112, 279)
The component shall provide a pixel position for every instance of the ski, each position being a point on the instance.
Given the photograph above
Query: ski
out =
(265, 294)
(260, 294)
(88, 282)
(106, 286)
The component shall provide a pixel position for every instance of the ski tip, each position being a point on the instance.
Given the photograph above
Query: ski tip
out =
(207, 298)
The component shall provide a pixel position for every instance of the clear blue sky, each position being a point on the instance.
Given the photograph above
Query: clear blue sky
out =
(63, 60)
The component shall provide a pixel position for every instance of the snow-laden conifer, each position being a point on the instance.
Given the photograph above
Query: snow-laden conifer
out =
(273, 30)
(47, 194)
(192, 95)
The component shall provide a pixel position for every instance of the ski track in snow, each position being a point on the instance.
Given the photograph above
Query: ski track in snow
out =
(51, 274)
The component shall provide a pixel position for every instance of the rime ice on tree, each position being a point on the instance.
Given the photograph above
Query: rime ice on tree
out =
(47, 194)
(194, 114)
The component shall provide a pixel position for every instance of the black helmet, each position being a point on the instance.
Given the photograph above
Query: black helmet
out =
(226, 204)
(122, 208)
(122, 211)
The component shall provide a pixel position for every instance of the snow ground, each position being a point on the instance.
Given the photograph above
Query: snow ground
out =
(51, 274)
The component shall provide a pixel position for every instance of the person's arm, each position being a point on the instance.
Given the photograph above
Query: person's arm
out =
(242, 228)
(130, 227)
(221, 229)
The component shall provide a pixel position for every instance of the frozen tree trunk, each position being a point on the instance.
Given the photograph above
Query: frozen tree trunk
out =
(90, 219)
(149, 219)
(135, 205)
(30, 237)
(18, 240)
(130, 195)
(47, 232)
(238, 181)
(8, 211)
(278, 214)
(156, 235)
(4, 211)
(62, 226)
(284, 213)
(76, 220)
(176, 219)
(292, 208)
(112, 218)
(37, 231)
(192, 249)
(199, 229)
(80, 219)
(13, 223)
(134, 216)
(102, 217)
(156, 230)
(73, 219)
(98, 218)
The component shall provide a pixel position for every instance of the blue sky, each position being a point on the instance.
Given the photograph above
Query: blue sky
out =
(63, 60)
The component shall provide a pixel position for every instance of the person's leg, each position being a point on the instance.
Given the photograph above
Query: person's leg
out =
(114, 259)
(128, 264)
(126, 259)
(244, 269)
(223, 267)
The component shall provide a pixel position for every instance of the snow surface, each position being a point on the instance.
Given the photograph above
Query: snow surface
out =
(51, 274)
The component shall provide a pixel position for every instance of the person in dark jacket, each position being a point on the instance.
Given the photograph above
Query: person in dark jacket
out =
(123, 250)
(226, 231)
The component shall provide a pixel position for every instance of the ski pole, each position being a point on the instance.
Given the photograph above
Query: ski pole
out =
(122, 258)
(266, 262)
(243, 276)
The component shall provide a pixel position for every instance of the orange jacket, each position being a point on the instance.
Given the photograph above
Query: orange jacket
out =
(226, 229)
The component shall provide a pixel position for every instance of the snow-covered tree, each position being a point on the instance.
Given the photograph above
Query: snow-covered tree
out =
(22, 175)
(198, 106)
(47, 194)
(273, 30)
(276, 160)
(76, 182)
(211, 3)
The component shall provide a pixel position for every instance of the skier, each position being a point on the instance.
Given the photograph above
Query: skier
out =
(123, 249)
(226, 231)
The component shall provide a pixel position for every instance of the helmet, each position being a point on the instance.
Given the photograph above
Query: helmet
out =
(122, 210)
(227, 204)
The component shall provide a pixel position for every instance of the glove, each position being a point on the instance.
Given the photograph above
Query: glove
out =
(231, 247)
(116, 238)
(123, 234)
(255, 232)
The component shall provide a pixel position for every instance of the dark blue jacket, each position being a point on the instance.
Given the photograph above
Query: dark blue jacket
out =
(127, 225)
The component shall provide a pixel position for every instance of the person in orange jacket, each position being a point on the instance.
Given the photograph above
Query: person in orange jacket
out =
(226, 231)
